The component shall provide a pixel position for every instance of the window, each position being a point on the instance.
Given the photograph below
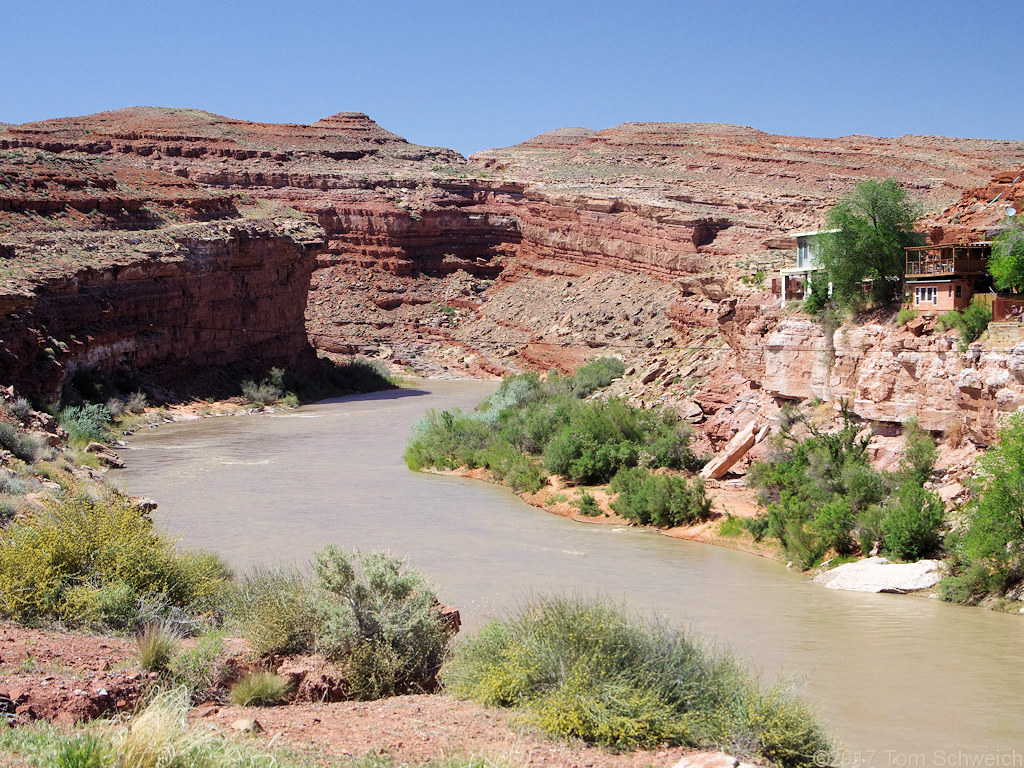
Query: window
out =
(959, 291)
(926, 294)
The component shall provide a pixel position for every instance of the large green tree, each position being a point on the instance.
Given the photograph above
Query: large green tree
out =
(1007, 261)
(873, 225)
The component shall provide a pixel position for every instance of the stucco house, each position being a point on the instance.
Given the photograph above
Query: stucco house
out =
(946, 276)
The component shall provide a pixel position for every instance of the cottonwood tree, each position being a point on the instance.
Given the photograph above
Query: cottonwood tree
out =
(1006, 264)
(873, 225)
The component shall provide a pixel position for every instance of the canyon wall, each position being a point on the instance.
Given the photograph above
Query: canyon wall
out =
(651, 241)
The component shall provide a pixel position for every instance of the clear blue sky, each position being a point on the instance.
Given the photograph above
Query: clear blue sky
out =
(473, 74)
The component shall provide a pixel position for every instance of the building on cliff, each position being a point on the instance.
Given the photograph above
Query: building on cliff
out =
(945, 276)
(794, 281)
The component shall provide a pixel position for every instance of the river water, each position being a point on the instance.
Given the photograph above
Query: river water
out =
(902, 681)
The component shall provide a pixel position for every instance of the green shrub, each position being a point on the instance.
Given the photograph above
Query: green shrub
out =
(910, 528)
(274, 610)
(594, 375)
(511, 467)
(584, 441)
(368, 611)
(989, 554)
(905, 315)
(731, 527)
(587, 505)
(661, 500)
(820, 493)
(586, 669)
(802, 547)
(86, 423)
(28, 448)
(156, 647)
(970, 323)
(260, 689)
(199, 668)
(447, 440)
(84, 561)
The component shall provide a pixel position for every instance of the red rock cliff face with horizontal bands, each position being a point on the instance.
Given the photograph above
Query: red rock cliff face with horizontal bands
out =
(414, 234)
(230, 294)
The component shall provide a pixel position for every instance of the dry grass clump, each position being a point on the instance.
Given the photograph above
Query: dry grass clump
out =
(260, 689)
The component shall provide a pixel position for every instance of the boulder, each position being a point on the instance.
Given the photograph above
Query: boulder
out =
(247, 725)
(710, 760)
(877, 574)
(734, 450)
(104, 454)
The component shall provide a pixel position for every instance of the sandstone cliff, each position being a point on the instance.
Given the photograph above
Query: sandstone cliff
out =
(648, 240)
(109, 266)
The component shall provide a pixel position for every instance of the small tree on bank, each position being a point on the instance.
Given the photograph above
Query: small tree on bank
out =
(1006, 264)
(873, 225)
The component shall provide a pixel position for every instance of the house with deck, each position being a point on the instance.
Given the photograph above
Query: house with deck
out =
(794, 281)
(946, 276)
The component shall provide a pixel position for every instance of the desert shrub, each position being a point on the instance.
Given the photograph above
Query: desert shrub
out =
(585, 441)
(513, 392)
(199, 668)
(21, 408)
(12, 484)
(511, 467)
(820, 493)
(85, 423)
(910, 527)
(115, 407)
(369, 612)
(83, 561)
(661, 500)
(260, 689)
(586, 669)
(274, 610)
(136, 402)
(989, 553)
(28, 448)
(587, 505)
(905, 315)
(969, 323)
(382, 617)
(261, 393)
(156, 647)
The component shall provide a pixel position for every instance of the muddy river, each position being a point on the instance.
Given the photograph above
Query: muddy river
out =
(903, 681)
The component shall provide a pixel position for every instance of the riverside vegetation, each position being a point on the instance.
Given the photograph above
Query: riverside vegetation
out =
(821, 494)
(587, 669)
(531, 426)
(99, 563)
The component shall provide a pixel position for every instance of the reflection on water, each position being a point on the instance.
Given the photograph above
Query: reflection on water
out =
(896, 675)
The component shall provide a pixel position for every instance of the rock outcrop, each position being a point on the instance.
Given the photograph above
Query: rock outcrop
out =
(439, 264)
(876, 574)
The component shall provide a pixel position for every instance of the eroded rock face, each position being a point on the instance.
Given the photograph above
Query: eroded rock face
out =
(428, 258)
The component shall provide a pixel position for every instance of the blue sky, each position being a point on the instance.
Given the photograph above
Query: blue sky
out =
(473, 75)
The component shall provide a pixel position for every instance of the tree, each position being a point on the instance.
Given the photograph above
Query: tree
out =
(873, 225)
(1007, 261)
